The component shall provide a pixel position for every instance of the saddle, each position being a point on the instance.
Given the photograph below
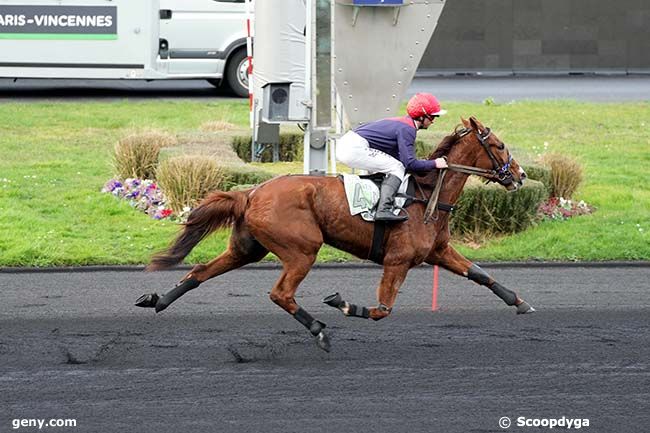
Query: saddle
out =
(362, 193)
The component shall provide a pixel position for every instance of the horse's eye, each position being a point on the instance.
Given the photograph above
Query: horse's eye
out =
(501, 146)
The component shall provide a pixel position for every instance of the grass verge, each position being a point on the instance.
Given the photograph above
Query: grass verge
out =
(55, 157)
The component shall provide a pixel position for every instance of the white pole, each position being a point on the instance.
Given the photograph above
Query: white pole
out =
(335, 94)
(309, 4)
(249, 53)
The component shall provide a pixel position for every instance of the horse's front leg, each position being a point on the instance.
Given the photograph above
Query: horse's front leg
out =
(453, 261)
(386, 294)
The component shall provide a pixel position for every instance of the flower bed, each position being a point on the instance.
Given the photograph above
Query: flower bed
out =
(560, 209)
(146, 196)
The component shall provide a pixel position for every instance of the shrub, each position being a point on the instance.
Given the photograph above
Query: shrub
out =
(187, 179)
(486, 209)
(136, 155)
(566, 174)
(242, 177)
(539, 173)
(291, 148)
(422, 149)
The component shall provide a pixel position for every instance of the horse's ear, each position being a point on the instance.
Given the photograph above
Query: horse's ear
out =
(465, 122)
(476, 125)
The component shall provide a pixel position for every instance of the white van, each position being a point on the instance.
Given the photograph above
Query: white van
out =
(125, 39)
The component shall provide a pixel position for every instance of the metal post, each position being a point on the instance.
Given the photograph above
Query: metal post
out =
(318, 82)
(308, 47)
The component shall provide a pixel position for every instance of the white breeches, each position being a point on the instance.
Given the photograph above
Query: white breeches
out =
(353, 150)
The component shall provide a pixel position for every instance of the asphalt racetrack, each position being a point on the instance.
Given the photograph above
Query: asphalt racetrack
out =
(225, 359)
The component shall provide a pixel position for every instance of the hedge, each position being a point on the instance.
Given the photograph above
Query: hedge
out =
(241, 176)
(490, 209)
(291, 148)
(541, 174)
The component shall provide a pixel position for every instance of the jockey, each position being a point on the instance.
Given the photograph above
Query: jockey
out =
(388, 146)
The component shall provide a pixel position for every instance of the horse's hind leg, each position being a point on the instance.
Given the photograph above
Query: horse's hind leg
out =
(453, 261)
(242, 250)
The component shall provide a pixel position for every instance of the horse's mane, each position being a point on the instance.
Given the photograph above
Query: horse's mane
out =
(447, 143)
(429, 179)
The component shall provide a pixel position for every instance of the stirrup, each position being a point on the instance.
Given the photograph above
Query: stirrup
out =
(389, 216)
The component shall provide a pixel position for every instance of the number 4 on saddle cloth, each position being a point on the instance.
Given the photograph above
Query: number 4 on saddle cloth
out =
(362, 193)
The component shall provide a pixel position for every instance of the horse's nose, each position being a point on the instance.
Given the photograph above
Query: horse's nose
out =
(522, 174)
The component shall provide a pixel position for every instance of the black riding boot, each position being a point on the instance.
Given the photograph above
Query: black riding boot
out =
(387, 193)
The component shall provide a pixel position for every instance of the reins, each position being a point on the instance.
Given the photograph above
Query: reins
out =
(433, 199)
(473, 170)
(432, 205)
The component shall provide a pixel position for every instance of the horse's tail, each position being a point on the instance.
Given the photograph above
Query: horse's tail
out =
(217, 210)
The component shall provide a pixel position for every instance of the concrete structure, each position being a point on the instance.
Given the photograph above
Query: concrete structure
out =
(541, 36)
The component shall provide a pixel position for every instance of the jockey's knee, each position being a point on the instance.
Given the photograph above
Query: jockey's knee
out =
(343, 156)
(343, 153)
(398, 173)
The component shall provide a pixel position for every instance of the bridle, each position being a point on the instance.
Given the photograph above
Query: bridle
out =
(500, 173)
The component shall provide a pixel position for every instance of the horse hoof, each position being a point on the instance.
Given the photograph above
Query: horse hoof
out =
(147, 301)
(323, 341)
(525, 308)
(334, 300)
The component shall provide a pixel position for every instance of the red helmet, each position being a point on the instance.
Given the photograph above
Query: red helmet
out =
(424, 104)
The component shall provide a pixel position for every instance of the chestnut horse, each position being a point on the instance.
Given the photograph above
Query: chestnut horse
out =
(293, 216)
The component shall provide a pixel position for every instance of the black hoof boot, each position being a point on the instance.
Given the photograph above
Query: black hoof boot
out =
(162, 304)
(147, 301)
(346, 308)
(334, 300)
(315, 327)
(175, 293)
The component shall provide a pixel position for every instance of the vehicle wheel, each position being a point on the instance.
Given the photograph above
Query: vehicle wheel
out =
(237, 73)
